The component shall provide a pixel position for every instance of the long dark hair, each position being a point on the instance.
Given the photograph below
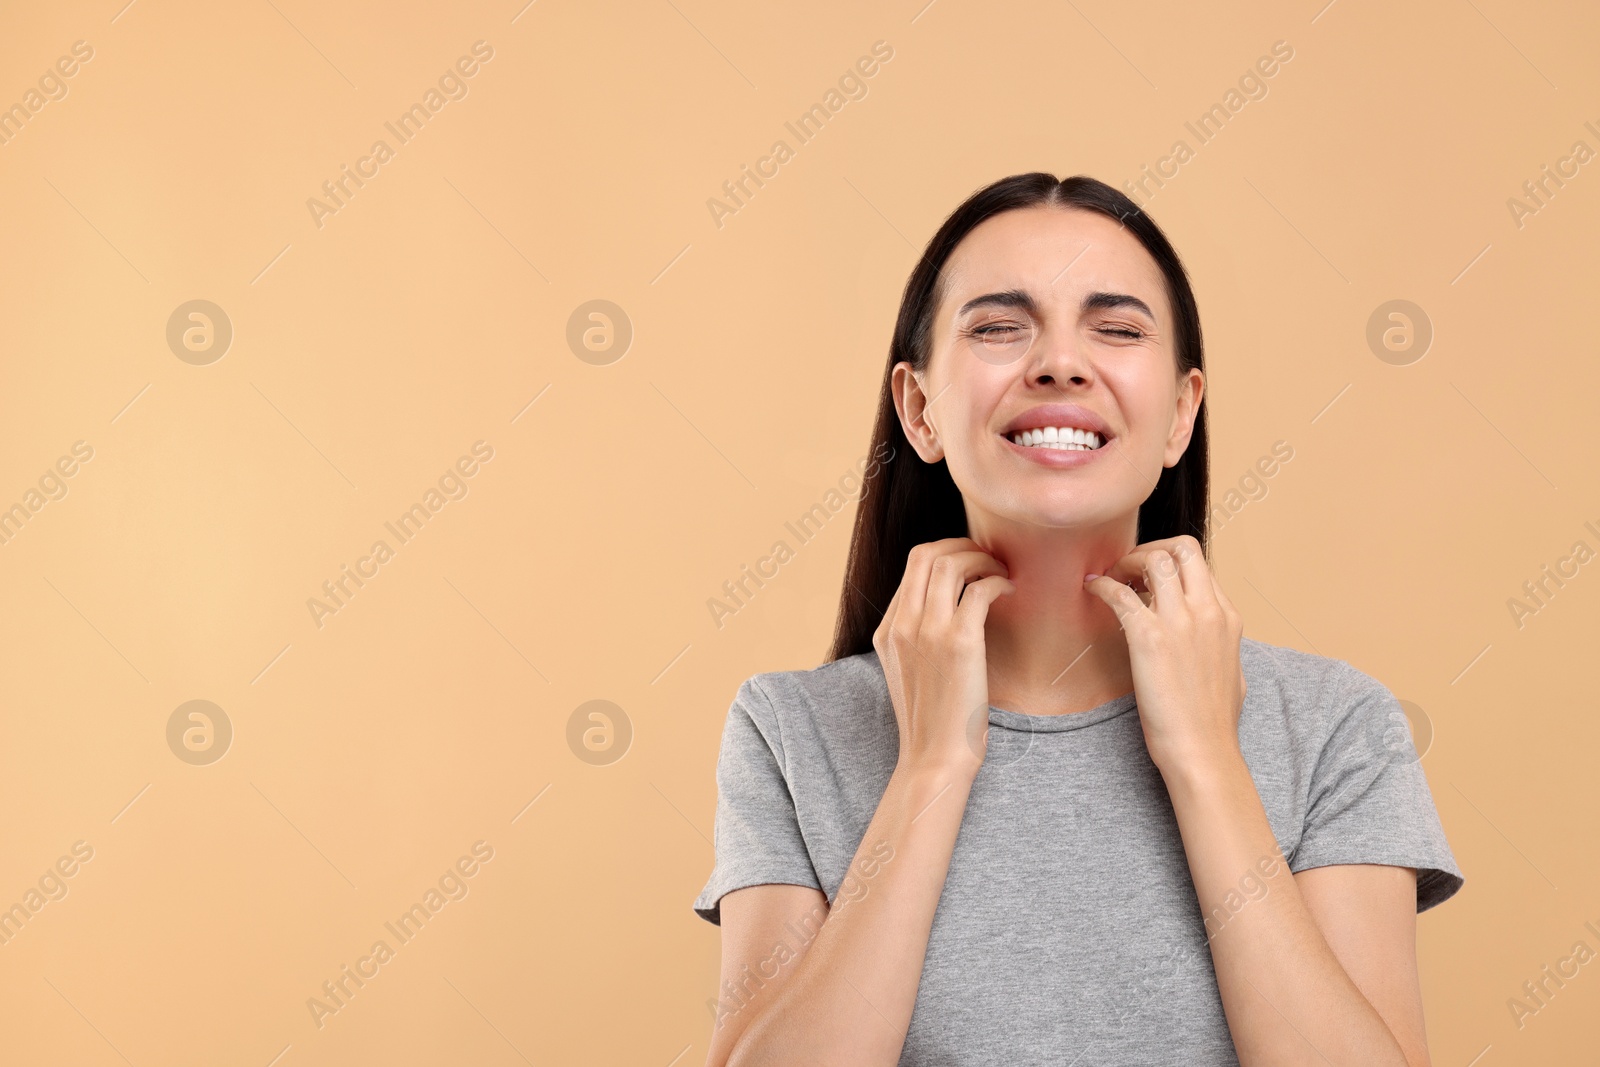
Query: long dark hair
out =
(909, 502)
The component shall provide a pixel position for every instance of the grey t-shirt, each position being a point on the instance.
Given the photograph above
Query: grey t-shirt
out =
(1068, 930)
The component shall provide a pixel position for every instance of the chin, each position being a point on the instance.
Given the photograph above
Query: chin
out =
(1063, 513)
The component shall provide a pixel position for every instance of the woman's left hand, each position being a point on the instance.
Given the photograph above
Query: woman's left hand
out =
(1183, 648)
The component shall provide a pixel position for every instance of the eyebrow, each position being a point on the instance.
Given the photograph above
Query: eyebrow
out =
(1021, 298)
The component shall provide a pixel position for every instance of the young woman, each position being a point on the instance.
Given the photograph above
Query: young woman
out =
(1046, 804)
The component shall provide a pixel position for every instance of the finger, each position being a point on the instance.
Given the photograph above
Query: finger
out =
(1131, 566)
(1199, 584)
(886, 622)
(1118, 597)
(950, 576)
(1161, 577)
(919, 565)
(977, 598)
(1222, 597)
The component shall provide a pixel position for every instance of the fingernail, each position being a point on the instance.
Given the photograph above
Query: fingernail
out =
(1090, 577)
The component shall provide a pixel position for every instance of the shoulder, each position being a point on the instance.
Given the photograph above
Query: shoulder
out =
(1303, 678)
(1291, 665)
(839, 701)
(1322, 695)
(848, 679)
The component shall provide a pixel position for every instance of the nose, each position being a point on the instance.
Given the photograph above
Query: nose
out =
(1058, 359)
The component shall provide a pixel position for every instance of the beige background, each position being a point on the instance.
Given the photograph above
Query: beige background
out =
(368, 354)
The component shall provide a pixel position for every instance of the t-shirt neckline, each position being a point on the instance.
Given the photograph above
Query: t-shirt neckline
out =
(1043, 724)
(1075, 720)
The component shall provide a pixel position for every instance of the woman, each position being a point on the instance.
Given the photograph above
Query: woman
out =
(1046, 804)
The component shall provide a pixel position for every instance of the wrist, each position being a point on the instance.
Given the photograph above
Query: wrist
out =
(938, 771)
(1203, 771)
(934, 793)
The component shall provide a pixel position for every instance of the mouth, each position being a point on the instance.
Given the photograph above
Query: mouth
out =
(1058, 438)
(1058, 428)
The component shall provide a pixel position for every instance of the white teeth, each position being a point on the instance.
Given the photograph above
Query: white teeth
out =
(1063, 438)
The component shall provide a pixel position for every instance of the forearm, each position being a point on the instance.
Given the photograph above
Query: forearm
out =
(850, 999)
(1288, 999)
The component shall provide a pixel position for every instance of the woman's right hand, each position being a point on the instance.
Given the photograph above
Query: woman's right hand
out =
(931, 646)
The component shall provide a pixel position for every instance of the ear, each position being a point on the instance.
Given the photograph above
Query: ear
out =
(1190, 392)
(911, 404)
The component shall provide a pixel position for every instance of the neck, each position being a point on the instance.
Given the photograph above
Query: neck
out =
(1053, 647)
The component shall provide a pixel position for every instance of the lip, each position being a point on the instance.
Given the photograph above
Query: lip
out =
(1054, 457)
(1059, 415)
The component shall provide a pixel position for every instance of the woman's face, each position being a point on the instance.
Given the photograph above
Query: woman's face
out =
(1051, 318)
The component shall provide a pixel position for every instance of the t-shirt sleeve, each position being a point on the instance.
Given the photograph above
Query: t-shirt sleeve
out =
(757, 832)
(1369, 800)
